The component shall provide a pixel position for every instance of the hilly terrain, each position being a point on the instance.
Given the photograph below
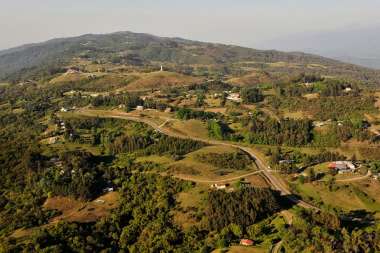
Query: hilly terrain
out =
(129, 142)
(34, 60)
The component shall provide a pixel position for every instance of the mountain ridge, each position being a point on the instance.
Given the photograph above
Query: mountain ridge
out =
(29, 60)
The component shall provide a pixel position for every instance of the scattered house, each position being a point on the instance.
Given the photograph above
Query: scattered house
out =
(235, 97)
(342, 166)
(63, 109)
(72, 71)
(376, 177)
(308, 84)
(162, 68)
(168, 109)
(348, 89)
(61, 172)
(108, 189)
(140, 108)
(121, 106)
(219, 187)
(246, 242)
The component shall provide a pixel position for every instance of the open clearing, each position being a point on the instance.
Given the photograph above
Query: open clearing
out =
(75, 211)
(194, 128)
(191, 169)
(161, 79)
(347, 196)
(78, 211)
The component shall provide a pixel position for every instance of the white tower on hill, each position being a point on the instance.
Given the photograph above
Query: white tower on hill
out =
(162, 68)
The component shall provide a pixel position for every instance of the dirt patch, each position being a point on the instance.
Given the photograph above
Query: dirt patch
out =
(77, 211)
(257, 181)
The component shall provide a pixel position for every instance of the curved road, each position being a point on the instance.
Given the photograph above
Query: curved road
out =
(276, 183)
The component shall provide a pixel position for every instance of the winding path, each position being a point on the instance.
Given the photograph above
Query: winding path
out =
(277, 183)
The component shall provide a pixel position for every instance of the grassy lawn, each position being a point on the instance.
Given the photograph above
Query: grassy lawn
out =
(164, 160)
(194, 128)
(189, 203)
(343, 197)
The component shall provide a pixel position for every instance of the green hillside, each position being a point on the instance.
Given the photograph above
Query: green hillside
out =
(135, 49)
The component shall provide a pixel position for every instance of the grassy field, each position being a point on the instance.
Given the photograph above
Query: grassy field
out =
(164, 79)
(195, 128)
(253, 78)
(354, 196)
(75, 211)
(190, 202)
(194, 169)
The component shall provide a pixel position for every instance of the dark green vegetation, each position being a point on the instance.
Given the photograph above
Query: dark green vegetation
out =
(235, 160)
(323, 232)
(239, 207)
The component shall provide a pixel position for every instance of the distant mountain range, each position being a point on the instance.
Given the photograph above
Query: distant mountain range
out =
(357, 45)
(143, 50)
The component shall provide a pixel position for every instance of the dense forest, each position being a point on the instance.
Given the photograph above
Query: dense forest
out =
(235, 160)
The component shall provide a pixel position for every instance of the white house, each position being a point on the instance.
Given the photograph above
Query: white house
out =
(219, 187)
(234, 97)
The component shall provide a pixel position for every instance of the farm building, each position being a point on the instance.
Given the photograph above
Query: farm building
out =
(246, 242)
(219, 187)
(234, 97)
(140, 108)
(342, 166)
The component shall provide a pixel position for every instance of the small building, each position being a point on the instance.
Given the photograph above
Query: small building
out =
(246, 242)
(168, 109)
(348, 89)
(108, 189)
(342, 166)
(219, 187)
(63, 109)
(235, 97)
(140, 108)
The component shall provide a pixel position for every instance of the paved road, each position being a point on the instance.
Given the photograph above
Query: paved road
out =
(277, 183)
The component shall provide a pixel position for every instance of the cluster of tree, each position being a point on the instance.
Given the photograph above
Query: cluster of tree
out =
(76, 175)
(150, 144)
(288, 132)
(318, 231)
(130, 101)
(307, 78)
(214, 85)
(235, 160)
(142, 223)
(186, 114)
(243, 207)
(251, 95)
(335, 88)
(218, 129)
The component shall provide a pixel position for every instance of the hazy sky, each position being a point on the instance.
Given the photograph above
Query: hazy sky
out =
(243, 22)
